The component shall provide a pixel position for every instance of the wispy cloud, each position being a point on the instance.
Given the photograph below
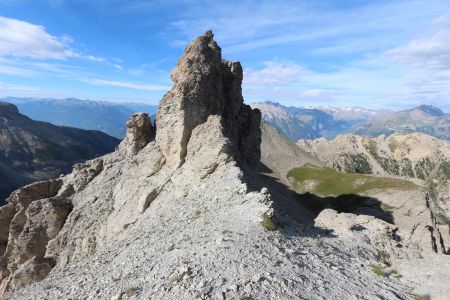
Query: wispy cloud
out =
(368, 81)
(427, 58)
(285, 81)
(431, 50)
(126, 84)
(255, 26)
(275, 73)
(5, 87)
(16, 71)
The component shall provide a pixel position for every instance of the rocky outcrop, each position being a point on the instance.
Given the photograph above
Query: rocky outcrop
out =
(139, 132)
(36, 214)
(205, 85)
(384, 237)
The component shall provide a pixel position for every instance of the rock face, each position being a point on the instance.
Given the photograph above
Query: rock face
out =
(205, 85)
(35, 214)
(181, 216)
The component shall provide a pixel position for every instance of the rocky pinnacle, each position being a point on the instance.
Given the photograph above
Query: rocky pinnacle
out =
(204, 85)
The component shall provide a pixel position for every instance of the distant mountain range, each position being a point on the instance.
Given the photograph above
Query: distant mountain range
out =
(425, 118)
(85, 114)
(352, 113)
(32, 150)
(293, 122)
(311, 123)
(302, 123)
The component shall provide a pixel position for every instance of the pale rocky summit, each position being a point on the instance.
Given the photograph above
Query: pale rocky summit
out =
(185, 215)
(204, 86)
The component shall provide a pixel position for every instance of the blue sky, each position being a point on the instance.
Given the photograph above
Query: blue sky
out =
(377, 54)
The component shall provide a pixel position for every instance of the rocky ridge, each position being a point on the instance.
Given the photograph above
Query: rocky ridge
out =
(178, 211)
(413, 155)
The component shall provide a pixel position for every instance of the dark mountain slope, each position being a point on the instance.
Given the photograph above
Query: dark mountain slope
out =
(32, 150)
(85, 114)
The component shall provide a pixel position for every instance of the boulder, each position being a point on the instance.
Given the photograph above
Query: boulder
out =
(139, 133)
(385, 238)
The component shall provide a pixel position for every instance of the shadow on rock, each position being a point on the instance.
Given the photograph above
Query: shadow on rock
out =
(350, 203)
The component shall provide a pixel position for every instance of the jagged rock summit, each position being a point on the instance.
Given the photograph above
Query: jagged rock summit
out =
(177, 212)
(206, 90)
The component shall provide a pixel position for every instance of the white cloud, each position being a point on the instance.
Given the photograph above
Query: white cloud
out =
(254, 26)
(126, 84)
(26, 40)
(23, 39)
(367, 81)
